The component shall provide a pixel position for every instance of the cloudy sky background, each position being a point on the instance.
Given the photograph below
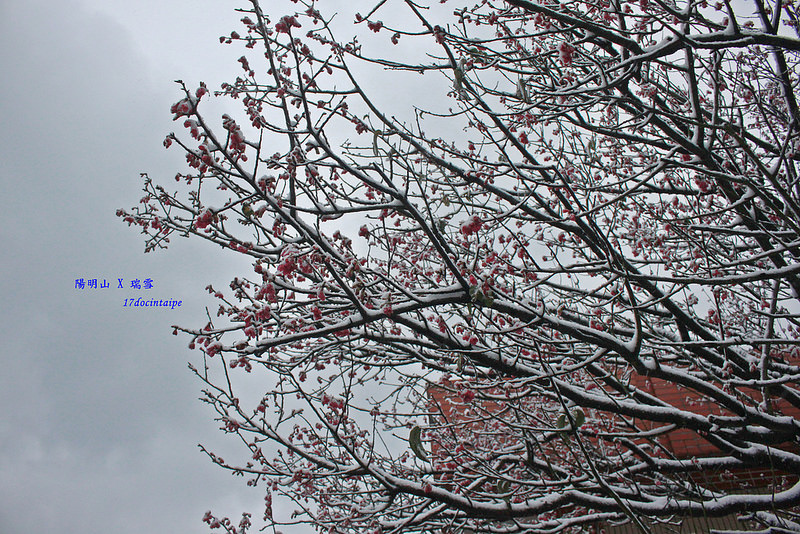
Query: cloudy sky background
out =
(99, 423)
(100, 420)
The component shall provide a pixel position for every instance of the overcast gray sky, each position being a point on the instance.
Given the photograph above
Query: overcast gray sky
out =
(99, 423)
(100, 420)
